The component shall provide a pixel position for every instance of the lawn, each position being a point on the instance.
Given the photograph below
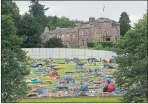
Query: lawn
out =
(73, 100)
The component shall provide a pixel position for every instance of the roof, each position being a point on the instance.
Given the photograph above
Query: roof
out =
(63, 30)
(91, 59)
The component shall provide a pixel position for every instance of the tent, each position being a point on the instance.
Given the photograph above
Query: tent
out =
(107, 60)
(51, 67)
(81, 93)
(41, 71)
(74, 59)
(84, 88)
(62, 88)
(69, 79)
(92, 61)
(79, 66)
(54, 75)
(33, 64)
(35, 88)
(112, 60)
(109, 88)
(32, 95)
(44, 92)
(67, 60)
(51, 60)
(96, 72)
(108, 81)
(35, 80)
(116, 92)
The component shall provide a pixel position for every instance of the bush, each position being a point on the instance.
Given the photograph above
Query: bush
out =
(26, 72)
(98, 46)
(90, 44)
(106, 44)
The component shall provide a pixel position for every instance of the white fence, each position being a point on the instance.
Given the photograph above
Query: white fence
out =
(38, 53)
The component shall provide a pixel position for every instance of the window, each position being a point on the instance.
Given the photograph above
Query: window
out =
(82, 33)
(106, 33)
(82, 42)
(63, 35)
(107, 39)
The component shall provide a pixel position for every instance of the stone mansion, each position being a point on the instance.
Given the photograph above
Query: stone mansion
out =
(101, 29)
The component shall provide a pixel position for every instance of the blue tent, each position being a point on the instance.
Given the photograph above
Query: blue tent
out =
(51, 67)
(108, 81)
(68, 78)
(59, 84)
(44, 92)
(39, 91)
(41, 71)
(117, 92)
(84, 88)
(35, 80)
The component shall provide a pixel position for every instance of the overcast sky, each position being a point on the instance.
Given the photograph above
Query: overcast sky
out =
(82, 10)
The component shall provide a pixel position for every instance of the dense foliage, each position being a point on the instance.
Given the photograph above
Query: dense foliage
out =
(62, 22)
(111, 46)
(9, 7)
(13, 62)
(32, 25)
(54, 43)
(124, 23)
(132, 63)
(90, 44)
(38, 12)
(30, 29)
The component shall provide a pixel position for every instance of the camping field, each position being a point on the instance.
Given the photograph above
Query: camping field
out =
(50, 83)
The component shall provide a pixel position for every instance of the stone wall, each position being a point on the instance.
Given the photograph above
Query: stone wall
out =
(103, 29)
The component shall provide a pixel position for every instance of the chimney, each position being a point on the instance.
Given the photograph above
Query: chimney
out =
(91, 19)
(46, 30)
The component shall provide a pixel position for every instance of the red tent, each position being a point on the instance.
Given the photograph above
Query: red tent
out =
(111, 88)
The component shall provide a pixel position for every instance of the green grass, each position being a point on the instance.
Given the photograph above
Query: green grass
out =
(72, 100)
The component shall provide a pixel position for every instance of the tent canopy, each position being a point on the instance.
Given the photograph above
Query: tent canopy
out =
(33, 64)
(92, 59)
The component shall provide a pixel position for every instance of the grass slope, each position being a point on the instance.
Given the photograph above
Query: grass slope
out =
(72, 100)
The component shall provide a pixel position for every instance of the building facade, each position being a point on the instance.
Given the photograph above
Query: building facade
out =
(102, 29)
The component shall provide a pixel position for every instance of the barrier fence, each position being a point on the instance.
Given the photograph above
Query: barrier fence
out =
(38, 53)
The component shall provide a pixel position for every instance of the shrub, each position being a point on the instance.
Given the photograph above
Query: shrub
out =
(90, 44)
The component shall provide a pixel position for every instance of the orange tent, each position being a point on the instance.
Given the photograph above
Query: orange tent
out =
(107, 60)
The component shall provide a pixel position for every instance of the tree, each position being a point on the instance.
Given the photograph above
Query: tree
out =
(38, 12)
(132, 69)
(30, 29)
(62, 22)
(53, 23)
(9, 7)
(13, 62)
(124, 23)
(54, 43)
